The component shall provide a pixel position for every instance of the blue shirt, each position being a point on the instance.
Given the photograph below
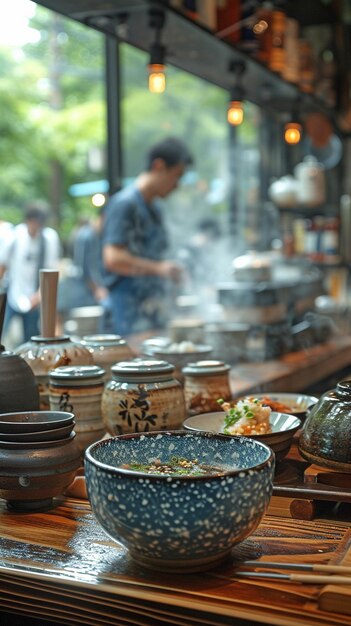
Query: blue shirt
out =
(138, 302)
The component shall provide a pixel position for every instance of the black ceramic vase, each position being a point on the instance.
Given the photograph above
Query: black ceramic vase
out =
(18, 386)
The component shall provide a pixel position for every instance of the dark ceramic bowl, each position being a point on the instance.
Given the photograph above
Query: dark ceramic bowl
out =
(32, 474)
(179, 523)
(41, 435)
(283, 425)
(34, 421)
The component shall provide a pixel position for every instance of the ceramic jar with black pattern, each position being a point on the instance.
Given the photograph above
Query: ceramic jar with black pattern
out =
(142, 396)
(78, 390)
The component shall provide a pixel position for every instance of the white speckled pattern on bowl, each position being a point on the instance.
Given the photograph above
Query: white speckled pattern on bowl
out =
(179, 523)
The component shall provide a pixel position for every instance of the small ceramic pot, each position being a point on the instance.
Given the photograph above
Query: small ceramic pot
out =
(326, 436)
(142, 396)
(44, 354)
(18, 386)
(32, 473)
(107, 350)
(205, 382)
(78, 390)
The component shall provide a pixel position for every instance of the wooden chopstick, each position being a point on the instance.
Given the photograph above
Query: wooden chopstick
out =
(316, 567)
(300, 578)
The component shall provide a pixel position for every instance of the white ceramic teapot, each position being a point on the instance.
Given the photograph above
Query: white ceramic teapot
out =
(311, 182)
(284, 192)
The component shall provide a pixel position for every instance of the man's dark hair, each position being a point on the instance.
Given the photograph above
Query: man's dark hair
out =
(36, 211)
(171, 150)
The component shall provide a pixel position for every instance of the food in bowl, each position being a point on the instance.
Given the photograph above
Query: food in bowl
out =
(179, 523)
(176, 466)
(246, 417)
(283, 428)
(292, 403)
(276, 405)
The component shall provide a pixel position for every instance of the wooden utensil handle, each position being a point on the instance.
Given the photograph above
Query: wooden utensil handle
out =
(48, 280)
(321, 579)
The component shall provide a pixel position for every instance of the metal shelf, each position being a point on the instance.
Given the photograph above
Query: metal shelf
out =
(190, 47)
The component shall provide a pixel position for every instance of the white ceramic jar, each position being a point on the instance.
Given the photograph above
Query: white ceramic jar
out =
(107, 350)
(45, 354)
(311, 182)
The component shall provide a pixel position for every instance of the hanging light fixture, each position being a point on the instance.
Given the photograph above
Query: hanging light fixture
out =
(292, 132)
(156, 66)
(235, 114)
(293, 128)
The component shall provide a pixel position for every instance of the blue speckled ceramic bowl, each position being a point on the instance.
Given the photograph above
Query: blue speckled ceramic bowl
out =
(179, 523)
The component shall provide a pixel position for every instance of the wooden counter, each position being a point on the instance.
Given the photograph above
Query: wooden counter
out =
(292, 372)
(59, 565)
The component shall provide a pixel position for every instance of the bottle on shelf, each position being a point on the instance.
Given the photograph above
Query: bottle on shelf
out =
(290, 70)
(306, 67)
(276, 61)
(330, 240)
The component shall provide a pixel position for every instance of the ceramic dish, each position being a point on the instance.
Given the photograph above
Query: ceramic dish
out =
(298, 403)
(40, 435)
(184, 522)
(279, 440)
(34, 421)
(181, 358)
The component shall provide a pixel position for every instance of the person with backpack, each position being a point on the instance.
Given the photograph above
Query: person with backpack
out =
(30, 246)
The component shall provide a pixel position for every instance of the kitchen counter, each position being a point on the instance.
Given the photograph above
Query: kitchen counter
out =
(295, 371)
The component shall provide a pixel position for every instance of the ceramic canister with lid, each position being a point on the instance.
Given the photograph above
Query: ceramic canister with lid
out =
(143, 395)
(205, 383)
(78, 389)
(45, 354)
(107, 350)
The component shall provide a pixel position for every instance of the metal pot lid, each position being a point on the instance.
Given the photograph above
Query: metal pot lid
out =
(206, 367)
(141, 368)
(103, 340)
(77, 372)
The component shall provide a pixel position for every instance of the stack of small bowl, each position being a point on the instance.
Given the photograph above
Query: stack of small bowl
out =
(39, 457)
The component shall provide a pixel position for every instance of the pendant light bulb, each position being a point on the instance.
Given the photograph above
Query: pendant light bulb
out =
(235, 113)
(157, 78)
(292, 133)
(156, 66)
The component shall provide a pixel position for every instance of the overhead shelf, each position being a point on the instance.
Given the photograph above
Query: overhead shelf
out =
(189, 46)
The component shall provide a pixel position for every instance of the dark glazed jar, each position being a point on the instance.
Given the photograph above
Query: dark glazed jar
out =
(143, 395)
(18, 386)
(326, 436)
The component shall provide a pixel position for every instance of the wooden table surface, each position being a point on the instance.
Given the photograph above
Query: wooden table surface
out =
(61, 566)
(295, 371)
